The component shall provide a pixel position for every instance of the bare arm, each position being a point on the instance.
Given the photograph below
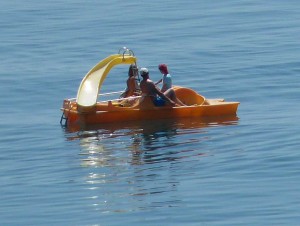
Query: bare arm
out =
(131, 87)
(159, 81)
(162, 95)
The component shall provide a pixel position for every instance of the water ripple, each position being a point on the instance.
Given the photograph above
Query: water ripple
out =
(142, 163)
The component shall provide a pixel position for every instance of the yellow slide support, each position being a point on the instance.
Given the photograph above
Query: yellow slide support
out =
(90, 85)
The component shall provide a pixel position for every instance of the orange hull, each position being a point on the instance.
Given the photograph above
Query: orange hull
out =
(106, 113)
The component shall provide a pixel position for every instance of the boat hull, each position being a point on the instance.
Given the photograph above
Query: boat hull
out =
(123, 114)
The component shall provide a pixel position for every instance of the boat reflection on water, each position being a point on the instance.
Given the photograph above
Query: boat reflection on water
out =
(133, 167)
(102, 144)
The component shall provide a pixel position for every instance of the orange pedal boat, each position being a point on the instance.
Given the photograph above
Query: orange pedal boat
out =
(86, 109)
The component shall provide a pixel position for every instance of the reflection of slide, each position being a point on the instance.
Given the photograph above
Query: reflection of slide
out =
(88, 90)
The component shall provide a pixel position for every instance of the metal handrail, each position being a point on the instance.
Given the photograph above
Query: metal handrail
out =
(111, 93)
(126, 98)
(126, 50)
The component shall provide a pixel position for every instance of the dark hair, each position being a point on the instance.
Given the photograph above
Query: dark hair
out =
(132, 70)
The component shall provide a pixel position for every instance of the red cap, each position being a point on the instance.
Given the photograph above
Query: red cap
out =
(163, 68)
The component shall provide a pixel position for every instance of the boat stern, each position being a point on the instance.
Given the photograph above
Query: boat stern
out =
(69, 112)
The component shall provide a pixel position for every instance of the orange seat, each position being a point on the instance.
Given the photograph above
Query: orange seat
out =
(188, 96)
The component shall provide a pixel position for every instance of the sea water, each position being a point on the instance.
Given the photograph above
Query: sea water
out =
(234, 171)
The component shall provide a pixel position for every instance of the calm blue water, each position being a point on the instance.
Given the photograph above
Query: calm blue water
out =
(240, 171)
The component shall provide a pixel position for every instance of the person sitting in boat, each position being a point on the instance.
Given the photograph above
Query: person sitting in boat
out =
(133, 88)
(166, 79)
(158, 98)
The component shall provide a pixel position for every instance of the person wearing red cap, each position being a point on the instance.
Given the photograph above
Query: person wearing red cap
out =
(166, 79)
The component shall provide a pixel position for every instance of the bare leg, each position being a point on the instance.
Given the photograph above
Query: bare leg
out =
(172, 95)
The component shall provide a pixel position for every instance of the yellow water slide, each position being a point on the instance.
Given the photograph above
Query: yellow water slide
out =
(90, 85)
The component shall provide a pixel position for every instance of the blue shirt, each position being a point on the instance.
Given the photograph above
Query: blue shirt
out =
(167, 81)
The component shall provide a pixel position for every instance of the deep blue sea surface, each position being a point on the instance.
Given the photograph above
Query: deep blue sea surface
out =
(237, 171)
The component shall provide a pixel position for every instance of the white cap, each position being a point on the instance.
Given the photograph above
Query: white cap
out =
(144, 71)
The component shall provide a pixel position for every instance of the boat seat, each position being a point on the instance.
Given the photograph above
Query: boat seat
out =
(189, 96)
(144, 103)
